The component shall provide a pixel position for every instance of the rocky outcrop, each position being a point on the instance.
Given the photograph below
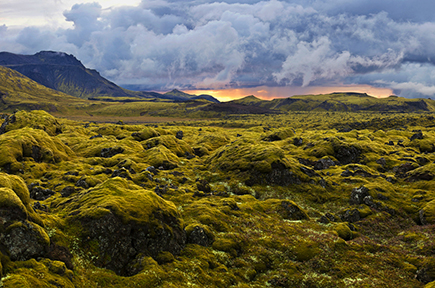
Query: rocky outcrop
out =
(20, 232)
(127, 222)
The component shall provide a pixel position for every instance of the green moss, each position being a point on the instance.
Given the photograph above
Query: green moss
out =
(27, 142)
(32, 273)
(14, 194)
(145, 134)
(123, 198)
(160, 156)
(246, 155)
(36, 119)
(178, 147)
(93, 148)
(279, 134)
(343, 231)
(165, 257)
(10, 200)
(306, 250)
(213, 141)
(208, 214)
(428, 212)
(206, 229)
(226, 245)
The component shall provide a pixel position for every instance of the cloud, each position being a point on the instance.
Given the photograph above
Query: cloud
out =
(85, 19)
(410, 88)
(34, 39)
(3, 29)
(232, 44)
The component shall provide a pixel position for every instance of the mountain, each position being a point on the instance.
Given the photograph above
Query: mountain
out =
(178, 95)
(63, 72)
(344, 102)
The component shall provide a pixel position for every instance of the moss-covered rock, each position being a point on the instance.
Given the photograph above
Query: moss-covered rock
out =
(11, 206)
(199, 234)
(15, 202)
(427, 213)
(343, 231)
(145, 134)
(45, 273)
(176, 146)
(126, 222)
(279, 134)
(25, 240)
(346, 153)
(36, 119)
(426, 271)
(290, 210)
(306, 250)
(212, 141)
(160, 156)
(20, 144)
(261, 163)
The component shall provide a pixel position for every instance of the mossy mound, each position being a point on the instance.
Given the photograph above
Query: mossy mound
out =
(286, 208)
(212, 141)
(176, 146)
(38, 274)
(139, 221)
(427, 213)
(17, 145)
(344, 232)
(11, 206)
(106, 147)
(160, 156)
(145, 134)
(279, 134)
(36, 119)
(260, 162)
(21, 238)
(15, 200)
(244, 155)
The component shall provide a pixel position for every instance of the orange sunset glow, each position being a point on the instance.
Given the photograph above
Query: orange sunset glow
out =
(269, 93)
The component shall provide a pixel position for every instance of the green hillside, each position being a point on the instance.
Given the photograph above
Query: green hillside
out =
(19, 92)
(344, 102)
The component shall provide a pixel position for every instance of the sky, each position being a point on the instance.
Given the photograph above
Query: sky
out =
(235, 48)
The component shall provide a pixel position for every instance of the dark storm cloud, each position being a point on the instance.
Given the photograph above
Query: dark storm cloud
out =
(205, 44)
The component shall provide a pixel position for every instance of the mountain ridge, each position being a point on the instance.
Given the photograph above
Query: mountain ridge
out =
(64, 72)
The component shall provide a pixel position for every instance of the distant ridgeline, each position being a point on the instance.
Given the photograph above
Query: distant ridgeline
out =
(63, 72)
(340, 102)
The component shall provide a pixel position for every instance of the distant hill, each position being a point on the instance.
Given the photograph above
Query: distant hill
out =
(344, 102)
(19, 92)
(178, 95)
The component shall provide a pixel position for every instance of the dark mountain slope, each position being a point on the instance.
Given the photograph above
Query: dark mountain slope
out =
(178, 95)
(63, 72)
